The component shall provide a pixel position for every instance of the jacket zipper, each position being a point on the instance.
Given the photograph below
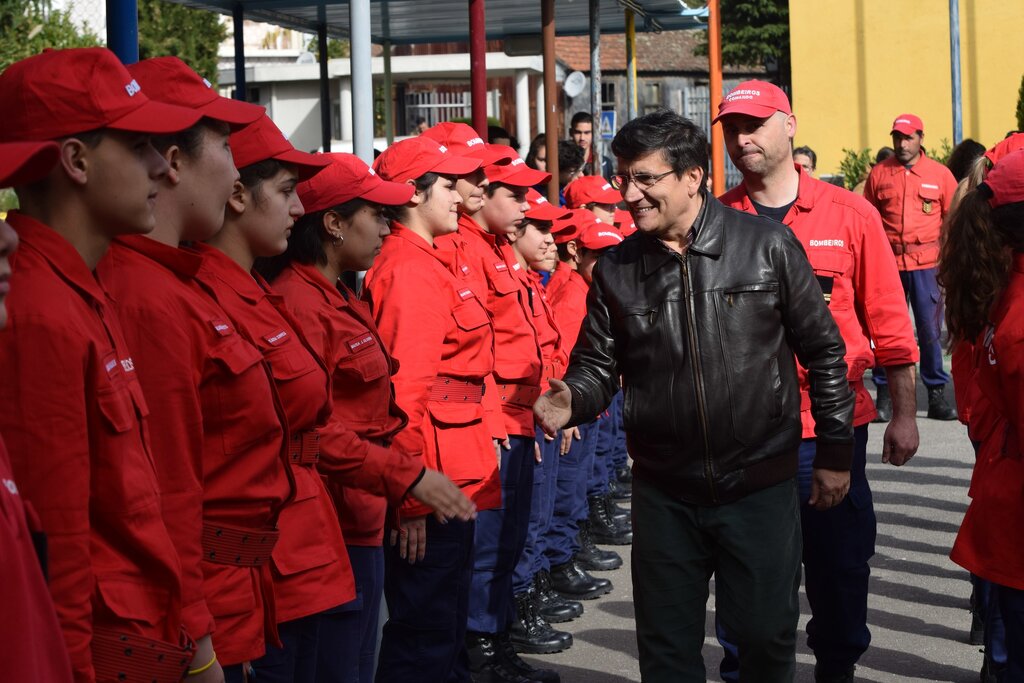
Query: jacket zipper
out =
(698, 375)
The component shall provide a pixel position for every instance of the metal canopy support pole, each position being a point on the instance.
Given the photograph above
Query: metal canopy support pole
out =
(631, 94)
(362, 80)
(389, 89)
(595, 84)
(478, 65)
(954, 66)
(123, 29)
(239, 20)
(325, 84)
(715, 68)
(522, 81)
(547, 21)
(541, 122)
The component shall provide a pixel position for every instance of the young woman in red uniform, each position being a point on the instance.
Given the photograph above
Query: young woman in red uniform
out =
(440, 334)
(341, 232)
(982, 270)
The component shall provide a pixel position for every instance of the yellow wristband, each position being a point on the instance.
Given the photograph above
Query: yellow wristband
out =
(196, 672)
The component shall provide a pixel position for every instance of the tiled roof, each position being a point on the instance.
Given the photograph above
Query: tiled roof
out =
(669, 51)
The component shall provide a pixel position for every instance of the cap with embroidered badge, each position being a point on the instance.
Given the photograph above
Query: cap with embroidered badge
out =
(1005, 182)
(263, 140)
(22, 163)
(599, 235)
(413, 157)
(347, 178)
(542, 210)
(907, 124)
(58, 93)
(462, 140)
(754, 98)
(515, 172)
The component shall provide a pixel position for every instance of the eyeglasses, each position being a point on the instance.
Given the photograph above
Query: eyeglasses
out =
(641, 180)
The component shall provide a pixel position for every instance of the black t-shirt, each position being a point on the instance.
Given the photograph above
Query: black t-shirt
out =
(776, 213)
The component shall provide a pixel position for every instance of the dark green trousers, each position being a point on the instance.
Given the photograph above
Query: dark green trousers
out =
(751, 546)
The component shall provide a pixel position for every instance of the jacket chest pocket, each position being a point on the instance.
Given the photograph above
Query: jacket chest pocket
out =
(290, 361)
(365, 365)
(831, 269)
(244, 401)
(752, 298)
(501, 281)
(929, 199)
(470, 315)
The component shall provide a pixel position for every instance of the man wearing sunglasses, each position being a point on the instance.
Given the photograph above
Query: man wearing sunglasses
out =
(703, 313)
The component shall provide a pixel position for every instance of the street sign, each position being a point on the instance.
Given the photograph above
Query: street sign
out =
(607, 125)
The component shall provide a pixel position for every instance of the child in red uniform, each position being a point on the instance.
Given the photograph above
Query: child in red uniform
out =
(342, 231)
(72, 412)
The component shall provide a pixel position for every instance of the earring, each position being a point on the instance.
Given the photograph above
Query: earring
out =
(338, 240)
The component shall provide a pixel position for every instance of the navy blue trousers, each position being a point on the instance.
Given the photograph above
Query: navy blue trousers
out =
(348, 633)
(570, 505)
(542, 505)
(922, 292)
(620, 457)
(295, 662)
(1011, 605)
(597, 484)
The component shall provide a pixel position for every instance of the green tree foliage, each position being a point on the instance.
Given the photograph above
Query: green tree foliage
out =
(855, 166)
(753, 32)
(1020, 105)
(336, 49)
(27, 27)
(189, 34)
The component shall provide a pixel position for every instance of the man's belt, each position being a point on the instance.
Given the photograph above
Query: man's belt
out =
(901, 248)
(452, 390)
(522, 395)
(225, 544)
(551, 371)
(304, 448)
(128, 657)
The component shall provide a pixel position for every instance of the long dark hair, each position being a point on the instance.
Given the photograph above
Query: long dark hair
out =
(306, 243)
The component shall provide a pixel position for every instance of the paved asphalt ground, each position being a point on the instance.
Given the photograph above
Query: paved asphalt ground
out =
(918, 609)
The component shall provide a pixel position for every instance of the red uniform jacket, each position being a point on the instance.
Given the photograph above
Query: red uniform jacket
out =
(73, 416)
(989, 541)
(912, 203)
(440, 333)
(846, 246)
(558, 278)
(364, 475)
(311, 568)
(555, 355)
(33, 646)
(569, 305)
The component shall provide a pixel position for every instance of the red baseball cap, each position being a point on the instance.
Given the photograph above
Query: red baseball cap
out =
(591, 188)
(567, 229)
(347, 178)
(263, 140)
(170, 80)
(623, 220)
(515, 172)
(63, 92)
(22, 163)
(1005, 146)
(908, 124)
(464, 141)
(410, 158)
(1006, 180)
(754, 98)
(542, 210)
(600, 235)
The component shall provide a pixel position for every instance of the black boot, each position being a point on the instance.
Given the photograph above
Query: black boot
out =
(511, 657)
(486, 664)
(622, 516)
(624, 475)
(603, 527)
(844, 676)
(574, 583)
(550, 604)
(883, 403)
(592, 558)
(618, 490)
(938, 407)
(531, 634)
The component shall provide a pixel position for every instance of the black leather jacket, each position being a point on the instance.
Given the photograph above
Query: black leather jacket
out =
(704, 344)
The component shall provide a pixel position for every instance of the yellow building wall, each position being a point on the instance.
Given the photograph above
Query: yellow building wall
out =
(857, 64)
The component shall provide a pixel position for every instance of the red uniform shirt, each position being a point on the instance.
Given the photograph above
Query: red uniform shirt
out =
(341, 330)
(988, 543)
(72, 414)
(212, 401)
(555, 355)
(440, 334)
(558, 278)
(311, 568)
(33, 646)
(847, 249)
(913, 203)
(569, 304)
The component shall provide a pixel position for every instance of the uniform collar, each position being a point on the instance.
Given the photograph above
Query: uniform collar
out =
(473, 228)
(806, 193)
(400, 232)
(180, 261)
(63, 258)
(244, 284)
(315, 278)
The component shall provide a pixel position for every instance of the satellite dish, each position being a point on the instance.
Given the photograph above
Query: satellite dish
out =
(574, 83)
(306, 58)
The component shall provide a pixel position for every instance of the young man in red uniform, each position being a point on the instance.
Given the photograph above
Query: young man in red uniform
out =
(846, 246)
(72, 411)
(913, 193)
(34, 648)
(593, 193)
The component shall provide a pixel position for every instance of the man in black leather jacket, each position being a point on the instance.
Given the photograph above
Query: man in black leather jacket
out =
(702, 314)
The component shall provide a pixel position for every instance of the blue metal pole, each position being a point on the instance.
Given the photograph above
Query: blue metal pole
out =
(362, 80)
(954, 65)
(239, 18)
(123, 29)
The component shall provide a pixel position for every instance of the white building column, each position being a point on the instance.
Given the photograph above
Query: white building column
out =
(345, 104)
(541, 113)
(523, 110)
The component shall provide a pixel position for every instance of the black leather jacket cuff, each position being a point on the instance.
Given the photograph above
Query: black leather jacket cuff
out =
(833, 456)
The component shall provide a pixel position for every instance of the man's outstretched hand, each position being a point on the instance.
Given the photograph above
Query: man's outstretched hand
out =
(554, 408)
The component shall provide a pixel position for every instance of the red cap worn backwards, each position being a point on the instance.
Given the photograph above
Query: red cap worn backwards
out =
(347, 178)
(63, 92)
(600, 235)
(263, 140)
(22, 163)
(462, 140)
(413, 157)
(568, 229)
(754, 98)
(590, 188)
(515, 172)
(542, 210)
(1008, 144)
(1006, 180)
(170, 80)
(908, 124)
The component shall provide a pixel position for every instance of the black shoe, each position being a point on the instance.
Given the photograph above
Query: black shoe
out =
(883, 403)
(977, 633)
(603, 527)
(511, 657)
(592, 558)
(938, 407)
(619, 491)
(531, 634)
(486, 663)
(845, 676)
(574, 583)
(550, 604)
(622, 516)
(624, 475)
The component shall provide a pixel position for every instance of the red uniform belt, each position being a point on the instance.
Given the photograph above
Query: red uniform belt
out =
(901, 248)
(522, 395)
(128, 657)
(225, 544)
(304, 448)
(551, 371)
(456, 390)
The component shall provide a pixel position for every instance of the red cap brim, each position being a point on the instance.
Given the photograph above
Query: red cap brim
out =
(22, 163)
(389, 193)
(456, 165)
(157, 118)
(307, 165)
(525, 177)
(488, 154)
(747, 108)
(903, 129)
(548, 212)
(235, 113)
